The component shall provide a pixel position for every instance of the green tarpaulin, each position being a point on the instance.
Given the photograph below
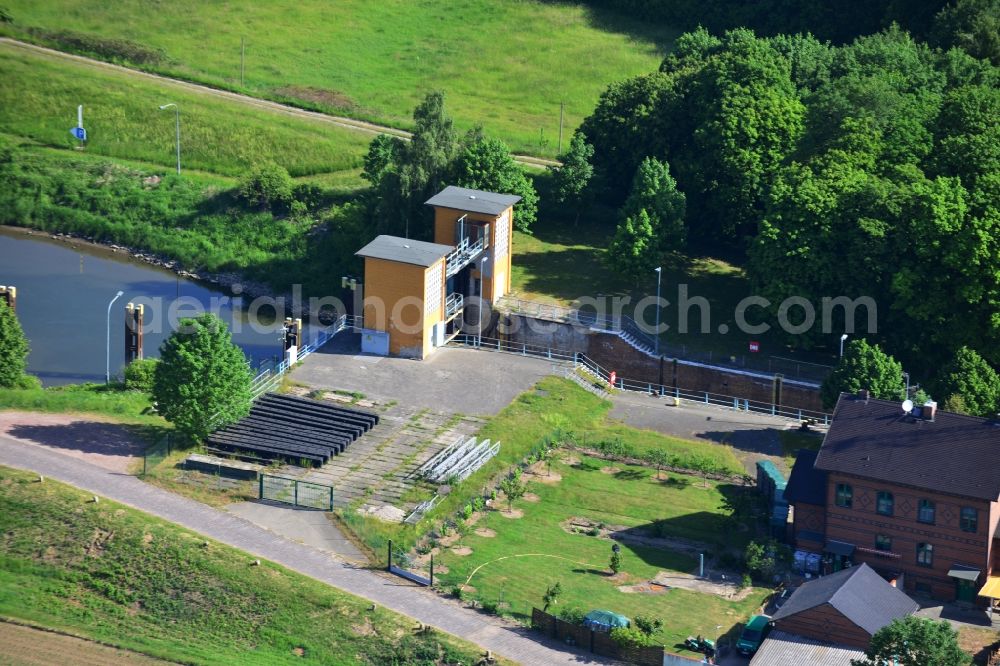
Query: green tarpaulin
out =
(602, 620)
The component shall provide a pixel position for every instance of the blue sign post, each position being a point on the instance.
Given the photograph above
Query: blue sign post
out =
(79, 133)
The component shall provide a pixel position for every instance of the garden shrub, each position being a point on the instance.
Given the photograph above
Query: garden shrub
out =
(139, 374)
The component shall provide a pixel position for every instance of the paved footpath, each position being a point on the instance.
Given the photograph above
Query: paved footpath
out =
(514, 643)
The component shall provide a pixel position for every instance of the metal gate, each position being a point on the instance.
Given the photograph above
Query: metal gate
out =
(295, 492)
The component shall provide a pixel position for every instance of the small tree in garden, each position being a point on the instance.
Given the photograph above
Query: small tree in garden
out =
(648, 625)
(659, 459)
(513, 487)
(551, 596)
(615, 564)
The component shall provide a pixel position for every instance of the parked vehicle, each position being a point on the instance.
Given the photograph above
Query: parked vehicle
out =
(753, 635)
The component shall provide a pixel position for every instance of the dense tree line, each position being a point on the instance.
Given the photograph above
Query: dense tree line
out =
(868, 169)
(973, 25)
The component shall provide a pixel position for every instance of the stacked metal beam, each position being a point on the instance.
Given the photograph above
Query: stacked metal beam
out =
(296, 430)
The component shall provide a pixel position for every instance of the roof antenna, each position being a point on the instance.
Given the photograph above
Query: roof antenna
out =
(907, 406)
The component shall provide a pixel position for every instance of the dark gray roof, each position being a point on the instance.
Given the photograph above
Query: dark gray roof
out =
(953, 454)
(806, 484)
(405, 250)
(857, 593)
(476, 201)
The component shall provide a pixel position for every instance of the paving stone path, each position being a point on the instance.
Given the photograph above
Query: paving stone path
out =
(378, 468)
(515, 643)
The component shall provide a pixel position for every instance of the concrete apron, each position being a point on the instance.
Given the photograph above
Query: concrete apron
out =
(309, 526)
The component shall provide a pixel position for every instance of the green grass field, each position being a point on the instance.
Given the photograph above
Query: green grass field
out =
(39, 97)
(557, 403)
(127, 406)
(554, 403)
(505, 65)
(684, 506)
(113, 574)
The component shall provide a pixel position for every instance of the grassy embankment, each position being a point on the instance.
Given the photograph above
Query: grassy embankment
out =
(554, 404)
(110, 190)
(505, 65)
(125, 406)
(117, 575)
(40, 93)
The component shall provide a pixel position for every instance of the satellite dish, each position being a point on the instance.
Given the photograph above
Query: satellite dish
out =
(907, 406)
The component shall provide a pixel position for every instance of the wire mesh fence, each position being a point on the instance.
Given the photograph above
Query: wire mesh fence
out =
(296, 492)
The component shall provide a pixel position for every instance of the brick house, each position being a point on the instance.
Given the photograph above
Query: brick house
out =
(830, 621)
(916, 495)
(846, 607)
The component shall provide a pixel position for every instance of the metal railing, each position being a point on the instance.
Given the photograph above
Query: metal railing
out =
(630, 330)
(458, 460)
(268, 379)
(453, 304)
(582, 361)
(464, 253)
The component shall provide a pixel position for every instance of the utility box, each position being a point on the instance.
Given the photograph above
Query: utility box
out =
(374, 342)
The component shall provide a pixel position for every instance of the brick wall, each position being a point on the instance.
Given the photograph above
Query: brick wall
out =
(860, 523)
(612, 353)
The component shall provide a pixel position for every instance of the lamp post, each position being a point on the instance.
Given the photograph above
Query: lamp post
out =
(482, 283)
(107, 366)
(842, 339)
(177, 124)
(656, 341)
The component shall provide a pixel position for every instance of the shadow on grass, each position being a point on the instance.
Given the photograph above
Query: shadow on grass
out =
(109, 439)
(632, 474)
(596, 572)
(606, 19)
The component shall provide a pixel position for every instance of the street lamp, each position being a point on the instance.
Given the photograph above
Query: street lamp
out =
(842, 339)
(107, 368)
(177, 123)
(482, 283)
(659, 274)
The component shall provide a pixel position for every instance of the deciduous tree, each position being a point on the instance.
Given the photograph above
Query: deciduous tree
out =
(654, 190)
(864, 366)
(571, 178)
(488, 165)
(202, 381)
(13, 349)
(633, 251)
(970, 379)
(914, 641)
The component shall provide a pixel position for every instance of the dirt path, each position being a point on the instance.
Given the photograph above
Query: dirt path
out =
(27, 646)
(112, 446)
(340, 121)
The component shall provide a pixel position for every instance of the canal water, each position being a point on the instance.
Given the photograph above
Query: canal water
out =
(63, 291)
